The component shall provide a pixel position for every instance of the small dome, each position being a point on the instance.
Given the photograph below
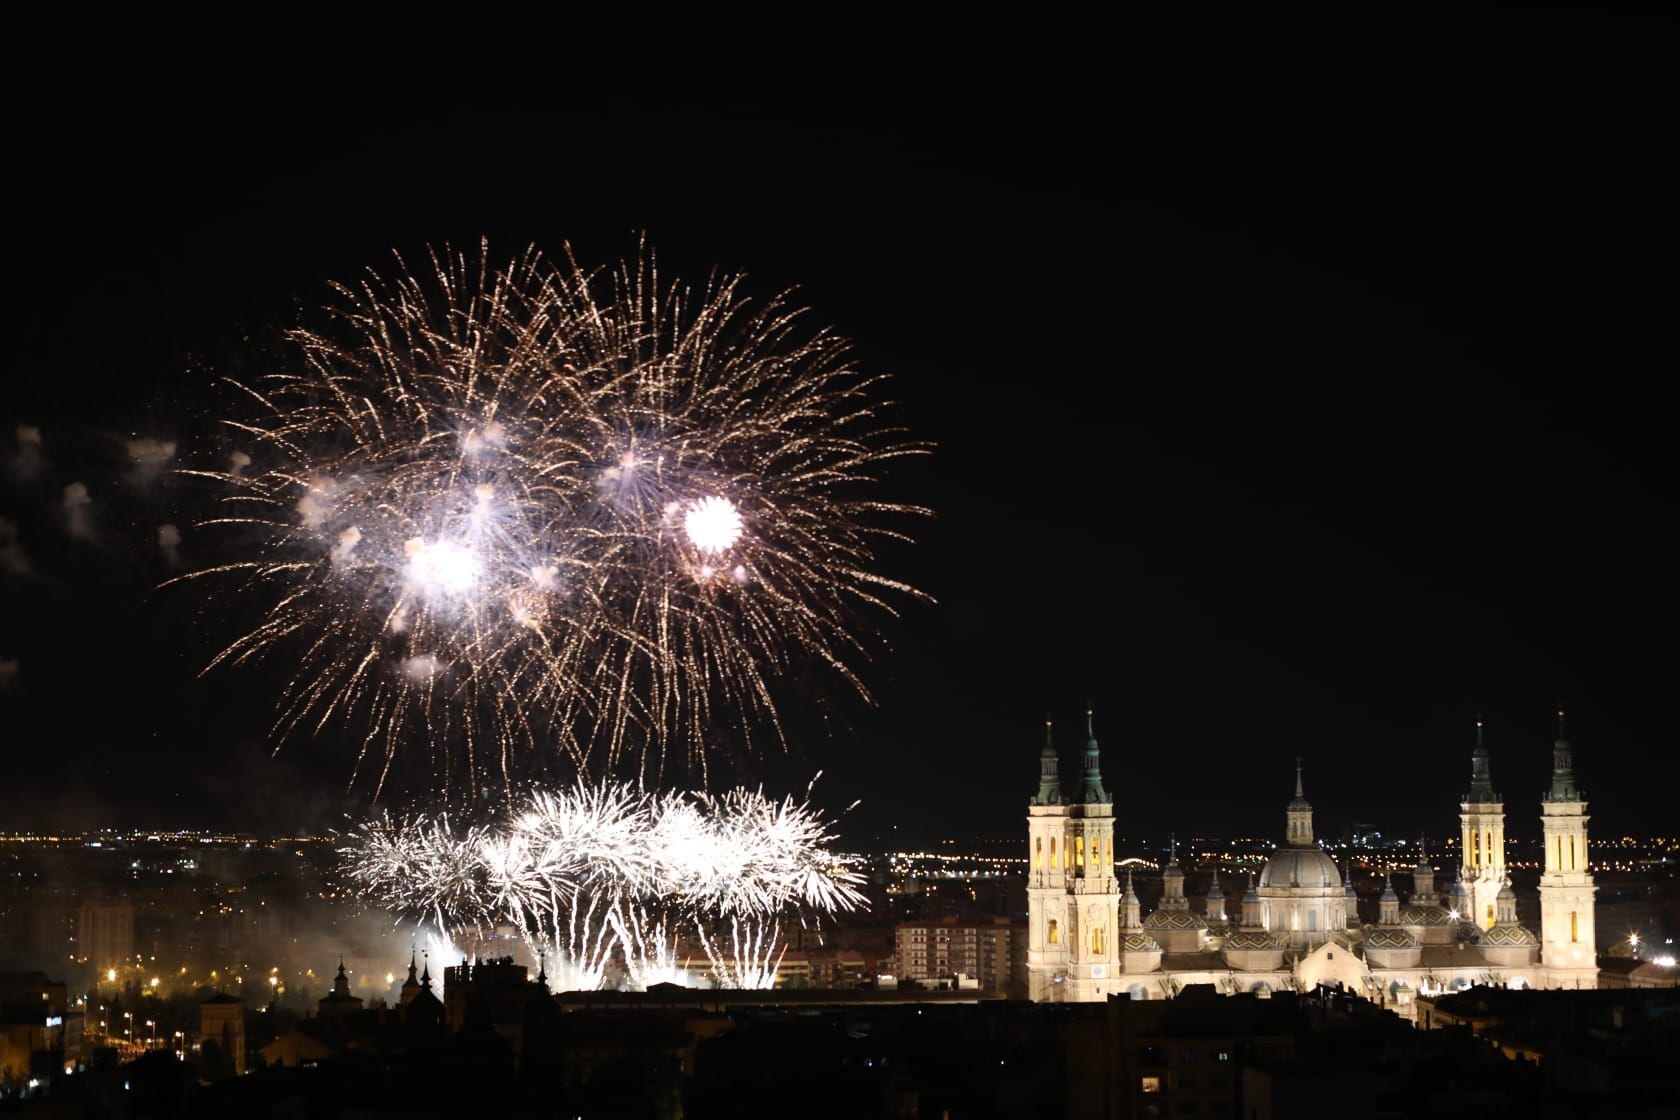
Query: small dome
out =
(1174, 919)
(1301, 867)
(1255, 939)
(1388, 938)
(1427, 916)
(1503, 936)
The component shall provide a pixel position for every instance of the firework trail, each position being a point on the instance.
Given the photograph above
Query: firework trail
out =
(525, 509)
(609, 878)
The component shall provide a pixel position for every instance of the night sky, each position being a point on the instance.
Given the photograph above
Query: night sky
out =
(1282, 407)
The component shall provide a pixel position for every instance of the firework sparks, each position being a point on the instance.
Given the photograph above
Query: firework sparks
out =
(598, 512)
(608, 878)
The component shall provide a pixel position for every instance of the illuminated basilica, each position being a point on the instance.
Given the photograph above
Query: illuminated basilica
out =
(1298, 926)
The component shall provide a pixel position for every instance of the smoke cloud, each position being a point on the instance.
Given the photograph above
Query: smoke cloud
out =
(347, 541)
(150, 456)
(237, 462)
(12, 558)
(29, 449)
(169, 541)
(316, 505)
(76, 516)
(422, 668)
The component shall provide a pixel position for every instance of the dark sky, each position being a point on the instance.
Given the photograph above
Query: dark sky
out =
(1283, 405)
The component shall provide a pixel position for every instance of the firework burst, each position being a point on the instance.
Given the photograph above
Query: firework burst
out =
(525, 508)
(608, 878)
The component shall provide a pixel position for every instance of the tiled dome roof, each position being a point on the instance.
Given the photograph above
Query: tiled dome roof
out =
(1139, 943)
(1390, 938)
(1508, 935)
(1427, 916)
(1174, 919)
(1254, 939)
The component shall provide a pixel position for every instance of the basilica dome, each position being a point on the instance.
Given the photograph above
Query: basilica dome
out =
(1301, 867)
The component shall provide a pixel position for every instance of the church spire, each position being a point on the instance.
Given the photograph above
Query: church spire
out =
(1481, 770)
(1049, 770)
(1563, 768)
(1091, 790)
(1299, 814)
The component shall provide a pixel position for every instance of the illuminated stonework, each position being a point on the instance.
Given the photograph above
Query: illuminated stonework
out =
(1298, 927)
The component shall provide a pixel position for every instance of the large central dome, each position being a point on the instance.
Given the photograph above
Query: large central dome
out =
(1301, 867)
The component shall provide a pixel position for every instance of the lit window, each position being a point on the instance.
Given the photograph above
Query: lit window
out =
(1055, 933)
(1097, 940)
(1038, 853)
(1574, 926)
(1149, 1084)
(1079, 851)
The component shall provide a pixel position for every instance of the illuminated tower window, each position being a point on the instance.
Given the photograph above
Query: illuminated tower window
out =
(1052, 851)
(1475, 845)
(1079, 851)
(1055, 930)
(1097, 940)
(1038, 854)
(1574, 926)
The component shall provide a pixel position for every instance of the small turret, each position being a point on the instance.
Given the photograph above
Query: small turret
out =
(1300, 824)
(341, 982)
(1172, 880)
(1131, 911)
(1215, 901)
(1049, 770)
(1252, 914)
(1563, 768)
(1481, 771)
(1423, 878)
(1091, 790)
(410, 986)
(1388, 906)
(1459, 902)
(1505, 908)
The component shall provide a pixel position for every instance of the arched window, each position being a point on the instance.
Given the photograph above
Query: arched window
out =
(1038, 854)
(1490, 915)
(1055, 930)
(1079, 851)
(1097, 940)
(1572, 853)
(1052, 851)
(1312, 921)
(1574, 926)
(1475, 845)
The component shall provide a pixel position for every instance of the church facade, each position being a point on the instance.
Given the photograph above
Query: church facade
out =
(1298, 925)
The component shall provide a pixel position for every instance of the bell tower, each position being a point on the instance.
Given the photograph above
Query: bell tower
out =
(1481, 818)
(1568, 946)
(1047, 875)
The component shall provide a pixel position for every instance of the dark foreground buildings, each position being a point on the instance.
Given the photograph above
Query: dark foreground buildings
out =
(500, 1044)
